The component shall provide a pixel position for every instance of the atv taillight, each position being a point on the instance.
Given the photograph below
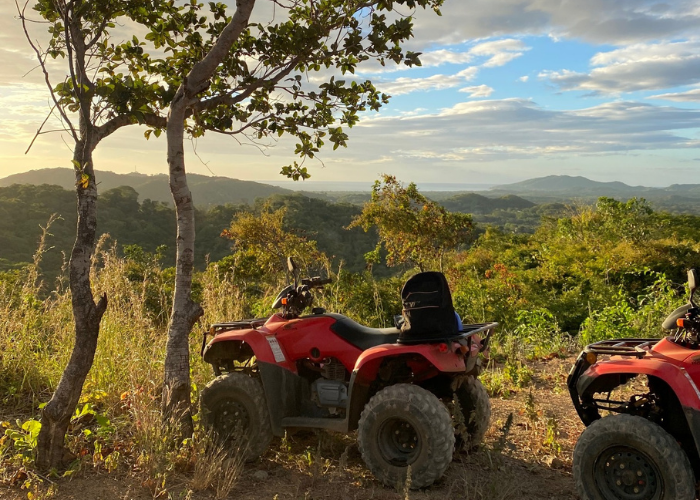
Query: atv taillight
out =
(442, 347)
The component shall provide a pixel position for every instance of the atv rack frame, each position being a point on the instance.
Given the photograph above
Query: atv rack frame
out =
(467, 331)
(622, 347)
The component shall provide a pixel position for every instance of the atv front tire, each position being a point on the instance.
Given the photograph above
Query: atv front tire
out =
(405, 425)
(626, 456)
(475, 408)
(235, 410)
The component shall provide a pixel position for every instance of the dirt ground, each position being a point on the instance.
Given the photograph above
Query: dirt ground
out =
(526, 456)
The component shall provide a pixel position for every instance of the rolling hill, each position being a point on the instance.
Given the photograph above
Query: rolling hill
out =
(206, 191)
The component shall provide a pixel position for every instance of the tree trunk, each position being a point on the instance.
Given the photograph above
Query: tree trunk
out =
(185, 312)
(56, 415)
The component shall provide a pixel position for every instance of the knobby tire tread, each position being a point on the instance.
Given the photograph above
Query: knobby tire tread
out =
(437, 434)
(639, 433)
(224, 386)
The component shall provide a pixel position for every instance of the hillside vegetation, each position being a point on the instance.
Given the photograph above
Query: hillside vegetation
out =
(207, 190)
(614, 269)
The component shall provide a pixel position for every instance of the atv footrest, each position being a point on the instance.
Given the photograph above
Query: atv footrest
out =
(330, 424)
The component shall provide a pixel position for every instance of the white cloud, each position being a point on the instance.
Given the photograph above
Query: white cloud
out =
(406, 85)
(636, 67)
(494, 52)
(501, 51)
(478, 91)
(598, 21)
(444, 56)
(524, 78)
(473, 131)
(692, 95)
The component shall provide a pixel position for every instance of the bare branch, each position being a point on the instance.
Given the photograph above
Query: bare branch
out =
(42, 63)
(193, 141)
(38, 131)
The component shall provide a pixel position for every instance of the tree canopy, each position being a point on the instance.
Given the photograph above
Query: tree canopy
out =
(413, 229)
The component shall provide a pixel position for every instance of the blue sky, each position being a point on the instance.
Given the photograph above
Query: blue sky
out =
(509, 90)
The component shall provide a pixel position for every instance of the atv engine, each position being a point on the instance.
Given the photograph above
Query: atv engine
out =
(331, 391)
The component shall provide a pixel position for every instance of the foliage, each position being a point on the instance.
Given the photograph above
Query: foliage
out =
(261, 246)
(412, 229)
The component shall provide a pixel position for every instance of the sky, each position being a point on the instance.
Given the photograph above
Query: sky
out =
(508, 90)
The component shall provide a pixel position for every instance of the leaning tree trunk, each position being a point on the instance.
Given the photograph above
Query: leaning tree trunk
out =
(185, 312)
(56, 415)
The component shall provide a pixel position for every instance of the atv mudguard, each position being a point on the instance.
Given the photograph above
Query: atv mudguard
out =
(230, 345)
(609, 374)
(424, 357)
(605, 376)
(368, 363)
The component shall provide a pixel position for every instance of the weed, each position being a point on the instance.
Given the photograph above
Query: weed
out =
(551, 438)
(531, 411)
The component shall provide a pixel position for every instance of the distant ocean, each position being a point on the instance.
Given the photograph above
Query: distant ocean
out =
(367, 186)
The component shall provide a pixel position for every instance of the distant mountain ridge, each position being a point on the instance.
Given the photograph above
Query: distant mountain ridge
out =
(206, 191)
(559, 183)
(210, 191)
(578, 185)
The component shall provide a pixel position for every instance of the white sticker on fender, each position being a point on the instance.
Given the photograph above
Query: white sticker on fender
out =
(276, 349)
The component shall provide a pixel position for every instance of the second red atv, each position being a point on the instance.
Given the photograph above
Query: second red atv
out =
(647, 448)
(325, 371)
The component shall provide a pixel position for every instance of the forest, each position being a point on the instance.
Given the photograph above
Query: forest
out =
(606, 270)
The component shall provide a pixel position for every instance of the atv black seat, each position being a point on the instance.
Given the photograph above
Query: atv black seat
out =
(361, 336)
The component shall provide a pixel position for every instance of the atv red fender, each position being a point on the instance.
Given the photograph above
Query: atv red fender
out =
(662, 359)
(675, 376)
(239, 345)
(425, 357)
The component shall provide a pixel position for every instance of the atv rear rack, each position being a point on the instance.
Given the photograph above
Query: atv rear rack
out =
(622, 347)
(467, 331)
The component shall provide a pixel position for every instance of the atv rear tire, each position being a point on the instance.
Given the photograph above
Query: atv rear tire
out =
(235, 410)
(625, 456)
(405, 425)
(475, 406)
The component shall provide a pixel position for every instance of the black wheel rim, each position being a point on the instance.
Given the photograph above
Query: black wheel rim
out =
(624, 473)
(231, 419)
(399, 443)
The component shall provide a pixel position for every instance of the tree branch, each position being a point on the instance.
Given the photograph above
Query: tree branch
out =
(120, 121)
(230, 100)
(38, 131)
(198, 77)
(42, 63)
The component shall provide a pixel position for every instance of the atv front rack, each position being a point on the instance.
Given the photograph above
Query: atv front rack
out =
(622, 347)
(237, 325)
(243, 324)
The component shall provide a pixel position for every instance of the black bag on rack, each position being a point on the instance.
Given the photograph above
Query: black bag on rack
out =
(428, 313)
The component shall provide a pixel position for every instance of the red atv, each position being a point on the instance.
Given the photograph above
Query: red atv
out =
(647, 450)
(325, 371)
